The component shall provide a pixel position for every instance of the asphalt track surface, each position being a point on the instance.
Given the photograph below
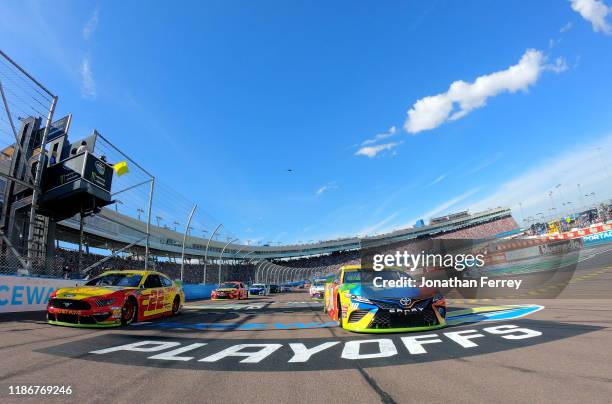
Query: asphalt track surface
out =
(566, 355)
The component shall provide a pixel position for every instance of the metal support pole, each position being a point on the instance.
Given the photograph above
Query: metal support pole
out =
(266, 271)
(81, 225)
(113, 254)
(279, 275)
(256, 265)
(221, 258)
(255, 271)
(245, 255)
(286, 273)
(257, 276)
(260, 272)
(276, 275)
(146, 266)
(263, 274)
(37, 181)
(14, 130)
(206, 251)
(130, 188)
(185, 239)
(236, 253)
(270, 273)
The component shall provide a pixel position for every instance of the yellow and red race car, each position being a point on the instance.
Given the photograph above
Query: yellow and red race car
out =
(230, 290)
(116, 298)
(358, 303)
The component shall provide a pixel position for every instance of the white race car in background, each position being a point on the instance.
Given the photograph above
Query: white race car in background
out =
(317, 289)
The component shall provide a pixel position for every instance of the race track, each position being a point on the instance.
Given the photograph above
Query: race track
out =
(559, 353)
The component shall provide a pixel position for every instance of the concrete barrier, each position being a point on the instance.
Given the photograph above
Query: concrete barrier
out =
(25, 293)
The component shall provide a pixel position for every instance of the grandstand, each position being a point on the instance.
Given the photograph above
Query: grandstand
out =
(166, 242)
(240, 259)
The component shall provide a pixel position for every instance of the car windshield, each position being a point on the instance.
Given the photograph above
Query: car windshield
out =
(229, 285)
(258, 285)
(128, 280)
(318, 283)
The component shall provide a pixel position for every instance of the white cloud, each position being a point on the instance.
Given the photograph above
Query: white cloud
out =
(91, 25)
(578, 165)
(438, 179)
(88, 85)
(559, 66)
(325, 188)
(486, 163)
(377, 226)
(566, 27)
(461, 97)
(384, 227)
(443, 207)
(392, 131)
(372, 151)
(595, 12)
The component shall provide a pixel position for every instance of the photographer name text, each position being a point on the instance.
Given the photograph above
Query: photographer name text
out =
(483, 282)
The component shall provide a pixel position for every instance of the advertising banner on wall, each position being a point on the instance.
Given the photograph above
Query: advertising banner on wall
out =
(22, 293)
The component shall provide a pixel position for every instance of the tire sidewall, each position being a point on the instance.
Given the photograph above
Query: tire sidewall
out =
(340, 324)
(178, 306)
(134, 316)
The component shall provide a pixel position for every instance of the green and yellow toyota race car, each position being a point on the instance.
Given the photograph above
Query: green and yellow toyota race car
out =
(359, 303)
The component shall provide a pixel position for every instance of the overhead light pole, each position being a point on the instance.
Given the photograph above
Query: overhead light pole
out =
(265, 275)
(184, 238)
(270, 272)
(259, 270)
(206, 251)
(279, 275)
(256, 272)
(221, 257)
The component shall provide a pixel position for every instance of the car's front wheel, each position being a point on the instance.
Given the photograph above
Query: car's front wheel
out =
(129, 312)
(340, 315)
(176, 306)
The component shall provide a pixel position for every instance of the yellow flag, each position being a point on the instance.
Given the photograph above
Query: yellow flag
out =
(121, 168)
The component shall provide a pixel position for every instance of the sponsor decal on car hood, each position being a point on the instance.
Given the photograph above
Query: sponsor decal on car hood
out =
(83, 292)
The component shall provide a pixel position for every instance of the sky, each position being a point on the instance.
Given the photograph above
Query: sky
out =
(310, 120)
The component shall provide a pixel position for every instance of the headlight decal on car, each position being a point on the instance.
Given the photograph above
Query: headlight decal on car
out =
(104, 302)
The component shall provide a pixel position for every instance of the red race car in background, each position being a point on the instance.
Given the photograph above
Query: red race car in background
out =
(230, 290)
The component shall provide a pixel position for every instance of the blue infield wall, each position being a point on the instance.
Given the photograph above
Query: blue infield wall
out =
(197, 291)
